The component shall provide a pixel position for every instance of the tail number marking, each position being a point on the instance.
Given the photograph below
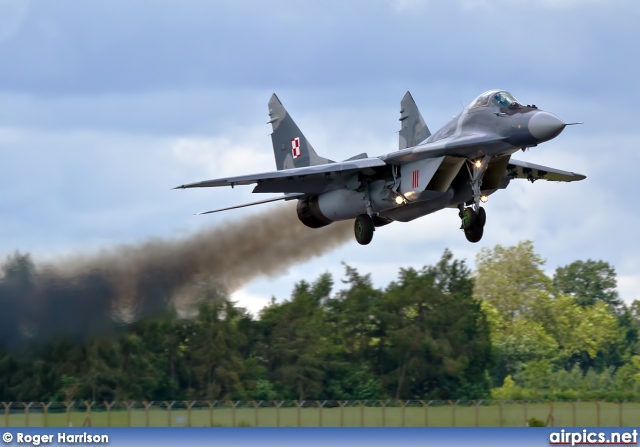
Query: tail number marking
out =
(295, 147)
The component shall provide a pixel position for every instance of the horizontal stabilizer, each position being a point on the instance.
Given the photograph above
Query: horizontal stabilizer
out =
(532, 172)
(275, 199)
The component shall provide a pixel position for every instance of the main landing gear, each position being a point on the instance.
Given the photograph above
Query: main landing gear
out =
(474, 217)
(363, 229)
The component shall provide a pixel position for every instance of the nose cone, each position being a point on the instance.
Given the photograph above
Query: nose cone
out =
(545, 125)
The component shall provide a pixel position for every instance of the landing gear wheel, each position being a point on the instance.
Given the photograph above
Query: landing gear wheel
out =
(474, 234)
(473, 223)
(363, 229)
(481, 218)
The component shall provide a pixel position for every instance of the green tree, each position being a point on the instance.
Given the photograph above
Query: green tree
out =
(437, 343)
(588, 282)
(297, 341)
(511, 279)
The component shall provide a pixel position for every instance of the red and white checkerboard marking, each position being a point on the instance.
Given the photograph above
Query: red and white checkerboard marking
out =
(295, 147)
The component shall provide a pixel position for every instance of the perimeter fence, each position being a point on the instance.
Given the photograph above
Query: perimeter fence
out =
(359, 413)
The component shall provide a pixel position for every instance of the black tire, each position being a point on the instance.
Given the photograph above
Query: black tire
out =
(363, 229)
(474, 234)
(481, 219)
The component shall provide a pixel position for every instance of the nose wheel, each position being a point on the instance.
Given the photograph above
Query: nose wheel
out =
(363, 229)
(473, 223)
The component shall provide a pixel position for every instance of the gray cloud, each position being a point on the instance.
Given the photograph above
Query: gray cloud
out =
(93, 95)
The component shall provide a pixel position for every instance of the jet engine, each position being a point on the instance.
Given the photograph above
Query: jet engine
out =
(309, 213)
(341, 204)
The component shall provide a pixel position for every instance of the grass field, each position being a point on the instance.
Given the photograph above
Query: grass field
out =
(413, 415)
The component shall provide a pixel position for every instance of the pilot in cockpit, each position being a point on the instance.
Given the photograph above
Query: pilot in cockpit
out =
(501, 100)
(504, 99)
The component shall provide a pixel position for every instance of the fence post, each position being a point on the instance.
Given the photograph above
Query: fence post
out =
(26, 413)
(278, 405)
(550, 418)
(189, 407)
(501, 421)
(384, 411)
(620, 410)
(146, 412)
(87, 418)
(425, 411)
(477, 405)
(255, 414)
(298, 403)
(129, 405)
(404, 405)
(342, 404)
(45, 408)
(6, 413)
(526, 419)
(169, 405)
(597, 413)
(233, 414)
(210, 413)
(69, 405)
(108, 406)
(453, 414)
(321, 406)
(361, 413)
(426, 414)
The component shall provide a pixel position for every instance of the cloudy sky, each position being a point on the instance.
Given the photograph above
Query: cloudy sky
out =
(107, 105)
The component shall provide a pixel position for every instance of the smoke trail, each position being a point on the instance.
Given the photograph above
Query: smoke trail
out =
(84, 293)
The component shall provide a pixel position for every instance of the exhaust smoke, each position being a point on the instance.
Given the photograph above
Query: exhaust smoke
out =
(90, 293)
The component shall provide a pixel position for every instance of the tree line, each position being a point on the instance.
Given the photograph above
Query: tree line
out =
(506, 331)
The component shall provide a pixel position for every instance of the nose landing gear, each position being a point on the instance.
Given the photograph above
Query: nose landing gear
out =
(474, 217)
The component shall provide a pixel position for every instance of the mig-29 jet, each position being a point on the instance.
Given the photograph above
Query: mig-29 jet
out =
(459, 166)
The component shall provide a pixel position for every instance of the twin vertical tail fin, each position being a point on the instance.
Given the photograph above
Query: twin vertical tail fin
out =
(413, 129)
(290, 147)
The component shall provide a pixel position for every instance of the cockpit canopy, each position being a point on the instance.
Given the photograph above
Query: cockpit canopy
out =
(496, 98)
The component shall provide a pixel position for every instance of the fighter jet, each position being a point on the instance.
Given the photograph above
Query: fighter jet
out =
(459, 166)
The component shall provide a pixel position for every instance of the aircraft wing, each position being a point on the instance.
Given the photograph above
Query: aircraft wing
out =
(308, 180)
(533, 172)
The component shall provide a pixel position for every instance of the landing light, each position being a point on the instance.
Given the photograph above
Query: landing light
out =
(484, 198)
(477, 163)
(399, 200)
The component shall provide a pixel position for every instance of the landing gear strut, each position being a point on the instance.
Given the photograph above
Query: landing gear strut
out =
(363, 229)
(474, 217)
